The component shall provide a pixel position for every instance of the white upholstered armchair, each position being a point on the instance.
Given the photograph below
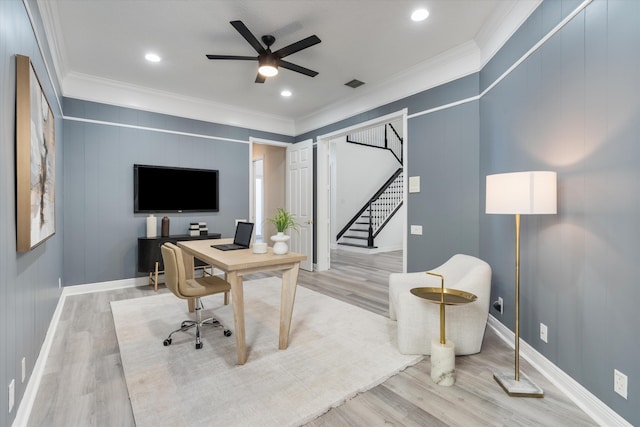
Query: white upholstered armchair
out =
(419, 320)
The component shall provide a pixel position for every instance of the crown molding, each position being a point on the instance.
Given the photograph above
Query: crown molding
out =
(77, 85)
(49, 16)
(458, 62)
(502, 24)
(448, 66)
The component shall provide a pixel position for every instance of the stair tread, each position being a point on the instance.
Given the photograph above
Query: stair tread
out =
(356, 237)
(357, 245)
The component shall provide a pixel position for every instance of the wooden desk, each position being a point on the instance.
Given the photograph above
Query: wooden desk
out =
(239, 263)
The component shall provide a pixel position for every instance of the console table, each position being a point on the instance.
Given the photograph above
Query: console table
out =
(150, 256)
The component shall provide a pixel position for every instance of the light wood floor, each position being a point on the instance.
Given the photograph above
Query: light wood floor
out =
(84, 384)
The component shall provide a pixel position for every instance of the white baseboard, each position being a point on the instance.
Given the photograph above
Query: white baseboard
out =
(28, 399)
(104, 286)
(584, 399)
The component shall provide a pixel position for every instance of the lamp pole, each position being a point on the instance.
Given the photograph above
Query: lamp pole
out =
(517, 373)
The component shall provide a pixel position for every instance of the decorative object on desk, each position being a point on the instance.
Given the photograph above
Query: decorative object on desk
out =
(283, 221)
(165, 227)
(443, 356)
(280, 246)
(152, 226)
(259, 248)
(520, 193)
(198, 229)
(35, 158)
(286, 387)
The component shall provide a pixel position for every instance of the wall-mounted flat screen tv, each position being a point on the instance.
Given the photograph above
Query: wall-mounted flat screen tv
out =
(158, 189)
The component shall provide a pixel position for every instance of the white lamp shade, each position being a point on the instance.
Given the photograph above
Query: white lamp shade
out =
(525, 193)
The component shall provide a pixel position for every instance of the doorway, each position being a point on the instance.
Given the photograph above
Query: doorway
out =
(325, 181)
(268, 185)
(287, 182)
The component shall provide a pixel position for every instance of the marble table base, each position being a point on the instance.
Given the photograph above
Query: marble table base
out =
(443, 363)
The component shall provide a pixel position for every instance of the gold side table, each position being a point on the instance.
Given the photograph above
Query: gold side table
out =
(443, 356)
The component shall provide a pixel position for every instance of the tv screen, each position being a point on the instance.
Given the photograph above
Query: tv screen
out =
(173, 189)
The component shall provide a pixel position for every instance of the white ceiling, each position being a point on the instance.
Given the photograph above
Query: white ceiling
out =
(98, 48)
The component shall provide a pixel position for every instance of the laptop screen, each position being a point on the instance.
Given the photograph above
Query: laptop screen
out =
(243, 233)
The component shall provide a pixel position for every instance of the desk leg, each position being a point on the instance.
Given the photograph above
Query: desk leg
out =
(155, 277)
(237, 299)
(289, 283)
(188, 274)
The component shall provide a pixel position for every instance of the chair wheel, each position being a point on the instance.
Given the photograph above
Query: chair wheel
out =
(198, 345)
(167, 342)
(227, 333)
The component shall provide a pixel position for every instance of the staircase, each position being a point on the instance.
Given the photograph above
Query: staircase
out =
(363, 228)
(369, 221)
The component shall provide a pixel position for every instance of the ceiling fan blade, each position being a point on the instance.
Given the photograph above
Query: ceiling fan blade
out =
(260, 78)
(297, 68)
(297, 46)
(248, 35)
(244, 58)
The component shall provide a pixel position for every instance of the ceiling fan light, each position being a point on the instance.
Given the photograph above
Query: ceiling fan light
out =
(268, 70)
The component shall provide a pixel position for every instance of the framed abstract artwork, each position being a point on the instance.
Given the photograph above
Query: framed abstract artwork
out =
(35, 160)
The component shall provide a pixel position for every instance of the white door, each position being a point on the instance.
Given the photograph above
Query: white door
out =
(300, 198)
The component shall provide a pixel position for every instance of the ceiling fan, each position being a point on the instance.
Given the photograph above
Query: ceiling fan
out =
(268, 62)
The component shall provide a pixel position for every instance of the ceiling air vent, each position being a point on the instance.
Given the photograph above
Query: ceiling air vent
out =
(354, 83)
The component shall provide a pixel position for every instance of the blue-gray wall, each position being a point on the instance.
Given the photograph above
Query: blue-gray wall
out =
(102, 143)
(570, 107)
(28, 281)
(573, 107)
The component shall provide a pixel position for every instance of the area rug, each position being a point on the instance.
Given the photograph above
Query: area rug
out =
(336, 350)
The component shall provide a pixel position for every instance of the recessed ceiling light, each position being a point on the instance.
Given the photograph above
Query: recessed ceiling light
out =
(285, 93)
(419, 15)
(152, 57)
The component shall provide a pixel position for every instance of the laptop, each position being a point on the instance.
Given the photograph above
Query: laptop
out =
(241, 240)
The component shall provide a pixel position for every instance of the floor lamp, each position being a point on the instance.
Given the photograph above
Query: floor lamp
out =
(520, 193)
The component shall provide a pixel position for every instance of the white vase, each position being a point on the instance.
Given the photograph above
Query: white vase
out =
(280, 246)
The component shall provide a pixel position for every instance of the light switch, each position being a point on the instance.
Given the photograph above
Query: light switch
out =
(416, 229)
(414, 184)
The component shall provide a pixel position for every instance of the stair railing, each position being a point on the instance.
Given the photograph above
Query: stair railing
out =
(379, 212)
(384, 136)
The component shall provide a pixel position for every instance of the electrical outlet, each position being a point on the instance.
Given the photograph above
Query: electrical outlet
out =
(620, 383)
(543, 332)
(24, 368)
(501, 302)
(416, 229)
(12, 394)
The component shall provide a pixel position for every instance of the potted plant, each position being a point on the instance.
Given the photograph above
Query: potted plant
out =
(283, 221)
